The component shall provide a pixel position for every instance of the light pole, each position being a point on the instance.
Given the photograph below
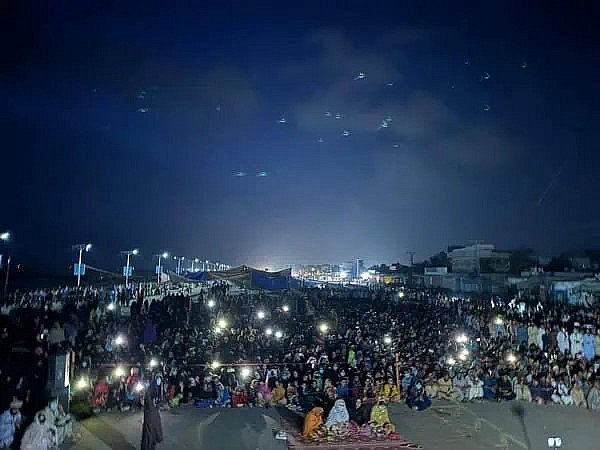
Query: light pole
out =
(80, 270)
(195, 260)
(160, 256)
(178, 259)
(127, 269)
(5, 237)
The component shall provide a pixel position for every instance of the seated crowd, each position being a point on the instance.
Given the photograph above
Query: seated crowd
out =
(340, 355)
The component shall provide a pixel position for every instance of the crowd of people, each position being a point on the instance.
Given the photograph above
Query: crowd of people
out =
(339, 355)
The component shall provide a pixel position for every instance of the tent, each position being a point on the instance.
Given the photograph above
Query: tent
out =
(248, 277)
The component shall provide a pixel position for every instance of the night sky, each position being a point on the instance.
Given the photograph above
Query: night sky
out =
(493, 132)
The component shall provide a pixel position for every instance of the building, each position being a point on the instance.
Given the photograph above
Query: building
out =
(479, 258)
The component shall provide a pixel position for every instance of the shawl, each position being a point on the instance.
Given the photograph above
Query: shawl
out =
(338, 414)
(379, 415)
(312, 421)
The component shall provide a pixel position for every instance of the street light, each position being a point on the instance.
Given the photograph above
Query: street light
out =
(160, 256)
(269, 331)
(222, 323)
(323, 327)
(245, 372)
(211, 303)
(5, 236)
(178, 259)
(260, 314)
(195, 260)
(285, 308)
(81, 247)
(278, 334)
(387, 340)
(127, 270)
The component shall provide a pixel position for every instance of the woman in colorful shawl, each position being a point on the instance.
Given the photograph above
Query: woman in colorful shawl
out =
(379, 414)
(279, 394)
(338, 414)
(390, 391)
(263, 394)
(39, 435)
(312, 421)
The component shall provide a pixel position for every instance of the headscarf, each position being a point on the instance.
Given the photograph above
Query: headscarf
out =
(312, 421)
(338, 414)
(379, 414)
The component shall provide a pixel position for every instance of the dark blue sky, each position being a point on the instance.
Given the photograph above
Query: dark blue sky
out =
(80, 163)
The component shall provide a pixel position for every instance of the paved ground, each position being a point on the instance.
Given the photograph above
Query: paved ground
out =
(445, 426)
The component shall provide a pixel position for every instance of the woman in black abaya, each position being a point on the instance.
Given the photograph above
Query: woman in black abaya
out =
(152, 427)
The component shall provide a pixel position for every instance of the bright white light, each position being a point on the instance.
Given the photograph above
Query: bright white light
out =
(5, 236)
(401, 294)
(111, 307)
(218, 329)
(462, 357)
(245, 373)
(139, 387)
(364, 275)
(88, 247)
(278, 334)
(269, 331)
(165, 255)
(260, 314)
(215, 364)
(451, 361)
(153, 362)
(119, 371)
(464, 352)
(511, 358)
(222, 323)
(343, 274)
(461, 339)
(211, 303)
(498, 321)
(82, 383)
(285, 308)
(323, 327)
(120, 340)
(387, 340)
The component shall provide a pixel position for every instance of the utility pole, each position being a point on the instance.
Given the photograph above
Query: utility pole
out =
(5, 293)
(412, 262)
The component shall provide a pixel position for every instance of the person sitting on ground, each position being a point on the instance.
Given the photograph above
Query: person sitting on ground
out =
(380, 418)
(578, 395)
(560, 394)
(57, 417)
(475, 387)
(417, 398)
(444, 390)
(338, 417)
(223, 398)
(505, 390)
(390, 391)
(360, 413)
(312, 423)
(461, 386)
(240, 398)
(39, 435)
(522, 391)
(279, 394)
(263, 394)
(593, 398)
(10, 421)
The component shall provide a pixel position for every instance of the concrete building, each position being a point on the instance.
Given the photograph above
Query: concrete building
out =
(479, 258)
